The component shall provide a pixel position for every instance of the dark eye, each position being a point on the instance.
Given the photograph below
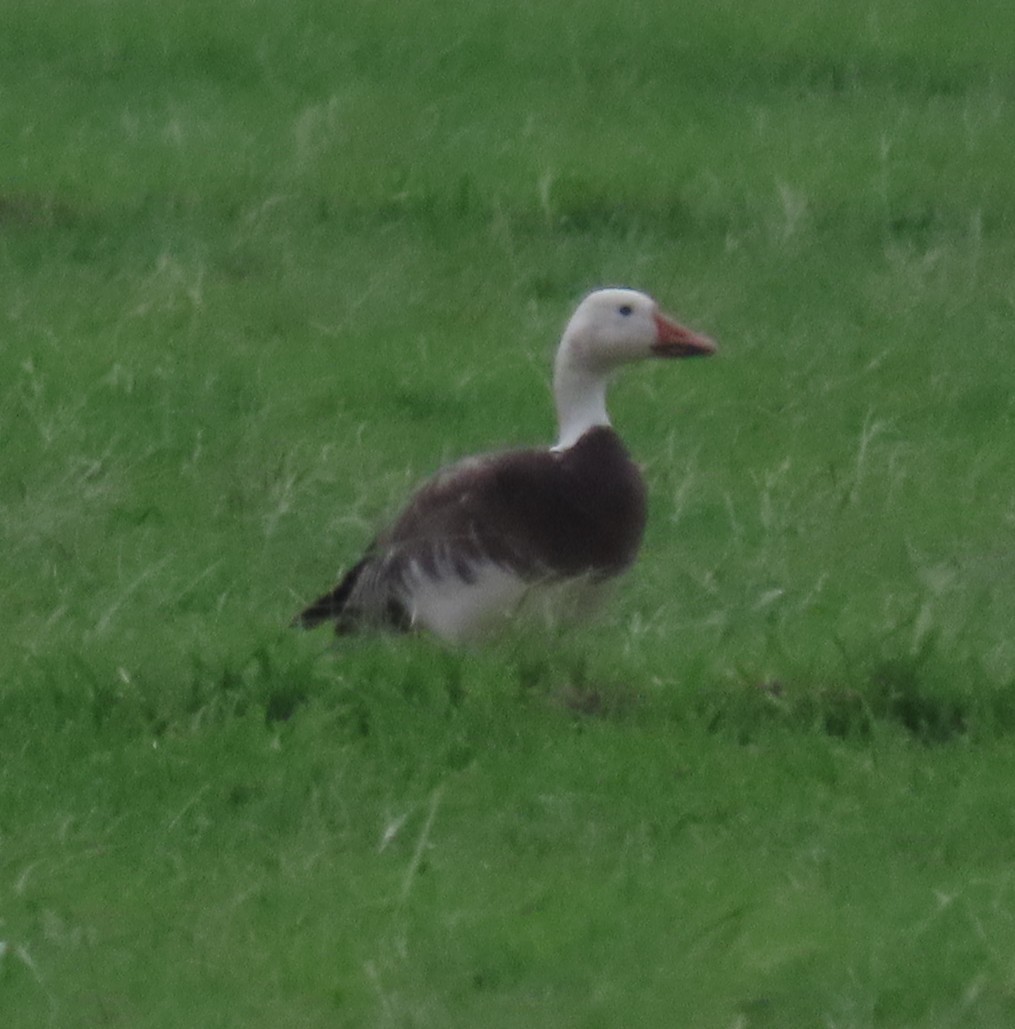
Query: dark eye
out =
(625, 309)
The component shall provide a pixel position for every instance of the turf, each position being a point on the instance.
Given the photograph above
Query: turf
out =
(266, 265)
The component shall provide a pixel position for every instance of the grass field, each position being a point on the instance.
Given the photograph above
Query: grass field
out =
(267, 264)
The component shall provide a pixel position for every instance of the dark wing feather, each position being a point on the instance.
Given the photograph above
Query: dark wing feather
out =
(540, 513)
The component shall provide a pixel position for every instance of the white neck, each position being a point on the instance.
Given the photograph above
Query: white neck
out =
(580, 395)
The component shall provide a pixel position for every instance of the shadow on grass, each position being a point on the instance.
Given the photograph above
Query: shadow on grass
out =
(385, 687)
(922, 693)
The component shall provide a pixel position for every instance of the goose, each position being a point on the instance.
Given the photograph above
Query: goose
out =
(484, 533)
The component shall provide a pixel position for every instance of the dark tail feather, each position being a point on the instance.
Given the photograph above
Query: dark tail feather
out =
(332, 606)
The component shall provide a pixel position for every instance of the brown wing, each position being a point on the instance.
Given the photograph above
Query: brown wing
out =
(537, 512)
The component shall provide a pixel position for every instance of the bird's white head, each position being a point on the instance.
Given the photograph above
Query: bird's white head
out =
(614, 326)
(609, 328)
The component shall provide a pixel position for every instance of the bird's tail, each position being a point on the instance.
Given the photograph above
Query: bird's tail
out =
(386, 611)
(333, 606)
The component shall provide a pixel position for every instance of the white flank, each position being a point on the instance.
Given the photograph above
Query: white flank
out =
(459, 611)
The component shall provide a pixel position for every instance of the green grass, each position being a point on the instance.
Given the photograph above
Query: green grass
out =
(264, 266)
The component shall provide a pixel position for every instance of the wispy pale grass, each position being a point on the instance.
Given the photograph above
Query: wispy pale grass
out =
(266, 266)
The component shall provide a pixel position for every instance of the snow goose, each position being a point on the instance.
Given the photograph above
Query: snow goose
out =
(485, 532)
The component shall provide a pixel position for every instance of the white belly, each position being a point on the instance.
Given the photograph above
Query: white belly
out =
(457, 610)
